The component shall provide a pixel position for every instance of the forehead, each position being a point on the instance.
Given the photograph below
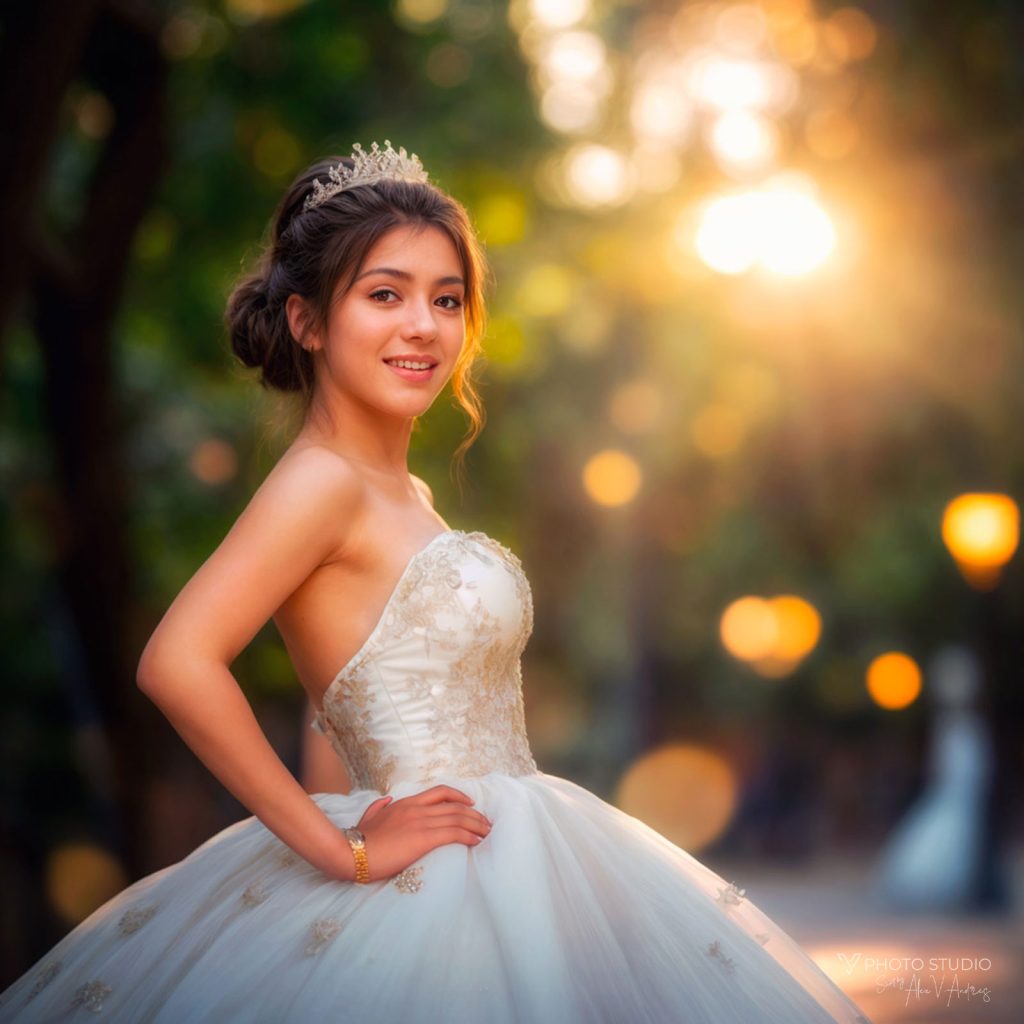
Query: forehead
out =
(408, 246)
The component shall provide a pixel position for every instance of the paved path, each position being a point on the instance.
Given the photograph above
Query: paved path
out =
(891, 963)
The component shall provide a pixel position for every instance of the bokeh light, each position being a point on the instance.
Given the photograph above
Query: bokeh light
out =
(81, 877)
(748, 628)
(660, 110)
(981, 532)
(686, 792)
(799, 627)
(94, 115)
(420, 12)
(743, 141)
(213, 461)
(727, 84)
(611, 477)
(772, 635)
(559, 13)
(779, 226)
(894, 680)
(597, 175)
(575, 56)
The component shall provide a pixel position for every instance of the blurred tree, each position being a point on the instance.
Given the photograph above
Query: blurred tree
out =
(799, 438)
(72, 278)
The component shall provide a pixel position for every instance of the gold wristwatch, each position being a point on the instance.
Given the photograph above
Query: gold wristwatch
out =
(357, 841)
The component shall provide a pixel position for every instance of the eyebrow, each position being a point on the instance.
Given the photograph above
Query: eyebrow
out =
(406, 276)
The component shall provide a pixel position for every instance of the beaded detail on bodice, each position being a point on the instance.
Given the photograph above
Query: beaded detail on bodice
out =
(437, 686)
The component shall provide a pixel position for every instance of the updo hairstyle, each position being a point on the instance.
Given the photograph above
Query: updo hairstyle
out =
(312, 252)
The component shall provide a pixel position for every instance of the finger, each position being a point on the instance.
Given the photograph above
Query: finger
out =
(468, 814)
(461, 821)
(440, 793)
(375, 807)
(451, 793)
(441, 836)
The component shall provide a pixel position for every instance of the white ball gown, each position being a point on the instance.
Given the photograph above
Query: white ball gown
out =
(570, 911)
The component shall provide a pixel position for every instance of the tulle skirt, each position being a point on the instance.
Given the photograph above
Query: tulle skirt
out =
(569, 911)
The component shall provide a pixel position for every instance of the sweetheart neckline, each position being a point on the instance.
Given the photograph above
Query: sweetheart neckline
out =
(413, 559)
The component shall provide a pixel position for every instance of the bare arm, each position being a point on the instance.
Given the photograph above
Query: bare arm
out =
(291, 525)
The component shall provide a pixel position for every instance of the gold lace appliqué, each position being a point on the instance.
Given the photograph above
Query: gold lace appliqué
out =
(409, 879)
(132, 920)
(730, 895)
(45, 976)
(478, 720)
(322, 931)
(476, 713)
(91, 995)
(254, 894)
(714, 951)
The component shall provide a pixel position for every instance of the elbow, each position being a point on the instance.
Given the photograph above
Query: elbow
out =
(144, 673)
(163, 670)
(149, 669)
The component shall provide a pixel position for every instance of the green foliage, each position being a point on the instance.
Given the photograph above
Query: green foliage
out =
(864, 402)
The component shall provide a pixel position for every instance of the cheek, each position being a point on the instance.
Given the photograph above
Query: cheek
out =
(358, 335)
(457, 330)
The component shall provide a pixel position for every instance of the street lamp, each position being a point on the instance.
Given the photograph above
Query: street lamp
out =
(981, 530)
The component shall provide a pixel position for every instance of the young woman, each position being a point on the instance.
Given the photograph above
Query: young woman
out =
(454, 881)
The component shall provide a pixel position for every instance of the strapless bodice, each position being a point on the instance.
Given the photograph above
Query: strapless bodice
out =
(437, 686)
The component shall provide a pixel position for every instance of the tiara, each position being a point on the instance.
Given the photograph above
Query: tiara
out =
(376, 165)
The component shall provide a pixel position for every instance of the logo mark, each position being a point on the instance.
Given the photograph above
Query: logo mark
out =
(848, 962)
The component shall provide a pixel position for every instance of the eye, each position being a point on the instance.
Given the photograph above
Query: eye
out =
(381, 291)
(457, 302)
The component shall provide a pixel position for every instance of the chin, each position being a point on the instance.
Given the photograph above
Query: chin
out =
(409, 410)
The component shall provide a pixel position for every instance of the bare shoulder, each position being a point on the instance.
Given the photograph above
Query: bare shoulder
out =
(323, 474)
(424, 488)
(320, 489)
(298, 519)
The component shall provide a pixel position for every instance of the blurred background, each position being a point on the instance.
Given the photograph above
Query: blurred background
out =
(754, 385)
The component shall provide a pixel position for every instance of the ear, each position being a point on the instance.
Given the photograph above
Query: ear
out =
(299, 319)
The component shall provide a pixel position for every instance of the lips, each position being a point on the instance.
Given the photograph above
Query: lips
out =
(412, 375)
(430, 361)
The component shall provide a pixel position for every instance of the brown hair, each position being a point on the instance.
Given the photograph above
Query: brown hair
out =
(310, 252)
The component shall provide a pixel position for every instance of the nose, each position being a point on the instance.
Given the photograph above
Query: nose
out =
(421, 322)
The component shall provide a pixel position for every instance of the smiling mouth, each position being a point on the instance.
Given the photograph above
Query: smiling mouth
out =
(412, 371)
(412, 364)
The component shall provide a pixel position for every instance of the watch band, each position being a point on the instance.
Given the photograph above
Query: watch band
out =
(357, 841)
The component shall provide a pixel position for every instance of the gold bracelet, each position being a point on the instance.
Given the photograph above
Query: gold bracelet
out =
(357, 841)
